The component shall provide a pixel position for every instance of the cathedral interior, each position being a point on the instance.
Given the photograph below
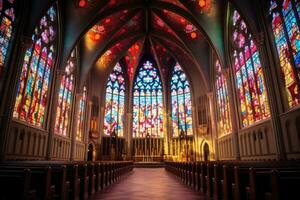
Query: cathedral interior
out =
(209, 90)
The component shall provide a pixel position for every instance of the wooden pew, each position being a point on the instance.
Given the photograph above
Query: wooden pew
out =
(226, 181)
(84, 181)
(72, 177)
(203, 172)
(92, 178)
(59, 179)
(40, 180)
(216, 181)
(197, 176)
(98, 175)
(15, 184)
(284, 184)
(208, 179)
(241, 181)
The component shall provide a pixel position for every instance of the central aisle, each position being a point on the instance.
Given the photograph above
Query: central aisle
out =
(149, 183)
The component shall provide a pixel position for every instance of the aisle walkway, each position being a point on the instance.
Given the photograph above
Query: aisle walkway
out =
(149, 183)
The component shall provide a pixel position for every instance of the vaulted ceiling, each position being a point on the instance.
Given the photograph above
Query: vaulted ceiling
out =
(107, 31)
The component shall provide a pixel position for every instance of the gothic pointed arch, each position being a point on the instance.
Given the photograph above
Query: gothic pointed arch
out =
(37, 70)
(222, 101)
(286, 31)
(248, 72)
(65, 96)
(115, 102)
(181, 102)
(7, 27)
(81, 118)
(148, 102)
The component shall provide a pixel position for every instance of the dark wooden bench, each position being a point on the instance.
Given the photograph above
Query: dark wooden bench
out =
(15, 184)
(92, 178)
(40, 180)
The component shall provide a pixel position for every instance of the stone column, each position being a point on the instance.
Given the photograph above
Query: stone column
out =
(9, 87)
(75, 120)
(167, 135)
(210, 96)
(129, 134)
(52, 111)
(101, 130)
(195, 132)
(87, 126)
(271, 92)
(233, 109)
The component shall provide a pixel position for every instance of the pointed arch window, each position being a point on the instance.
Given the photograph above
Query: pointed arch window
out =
(223, 108)
(115, 102)
(181, 102)
(65, 97)
(285, 26)
(7, 22)
(147, 103)
(33, 88)
(248, 72)
(81, 115)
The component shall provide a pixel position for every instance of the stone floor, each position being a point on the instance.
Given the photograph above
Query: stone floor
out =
(149, 183)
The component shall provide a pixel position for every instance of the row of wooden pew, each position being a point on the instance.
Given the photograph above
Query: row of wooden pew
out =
(241, 180)
(56, 179)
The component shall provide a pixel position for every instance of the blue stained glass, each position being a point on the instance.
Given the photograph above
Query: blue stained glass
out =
(147, 102)
(33, 87)
(7, 23)
(285, 27)
(181, 102)
(248, 73)
(115, 102)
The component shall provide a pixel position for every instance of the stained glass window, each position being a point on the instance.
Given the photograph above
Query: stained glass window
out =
(181, 102)
(248, 71)
(32, 91)
(223, 109)
(81, 115)
(147, 102)
(65, 97)
(115, 101)
(7, 18)
(285, 25)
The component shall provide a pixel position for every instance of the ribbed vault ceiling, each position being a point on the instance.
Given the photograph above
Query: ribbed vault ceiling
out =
(170, 30)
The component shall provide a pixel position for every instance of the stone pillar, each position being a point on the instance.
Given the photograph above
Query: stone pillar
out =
(195, 132)
(9, 87)
(167, 135)
(52, 111)
(101, 130)
(272, 89)
(233, 109)
(210, 96)
(75, 119)
(87, 126)
(129, 134)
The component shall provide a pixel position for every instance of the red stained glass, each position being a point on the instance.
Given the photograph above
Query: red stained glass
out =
(65, 97)
(248, 73)
(32, 93)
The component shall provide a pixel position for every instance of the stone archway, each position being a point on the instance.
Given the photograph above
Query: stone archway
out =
(206, 152)
(90, 153)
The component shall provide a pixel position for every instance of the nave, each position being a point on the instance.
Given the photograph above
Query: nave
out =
(208, 88)
(149, 183)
